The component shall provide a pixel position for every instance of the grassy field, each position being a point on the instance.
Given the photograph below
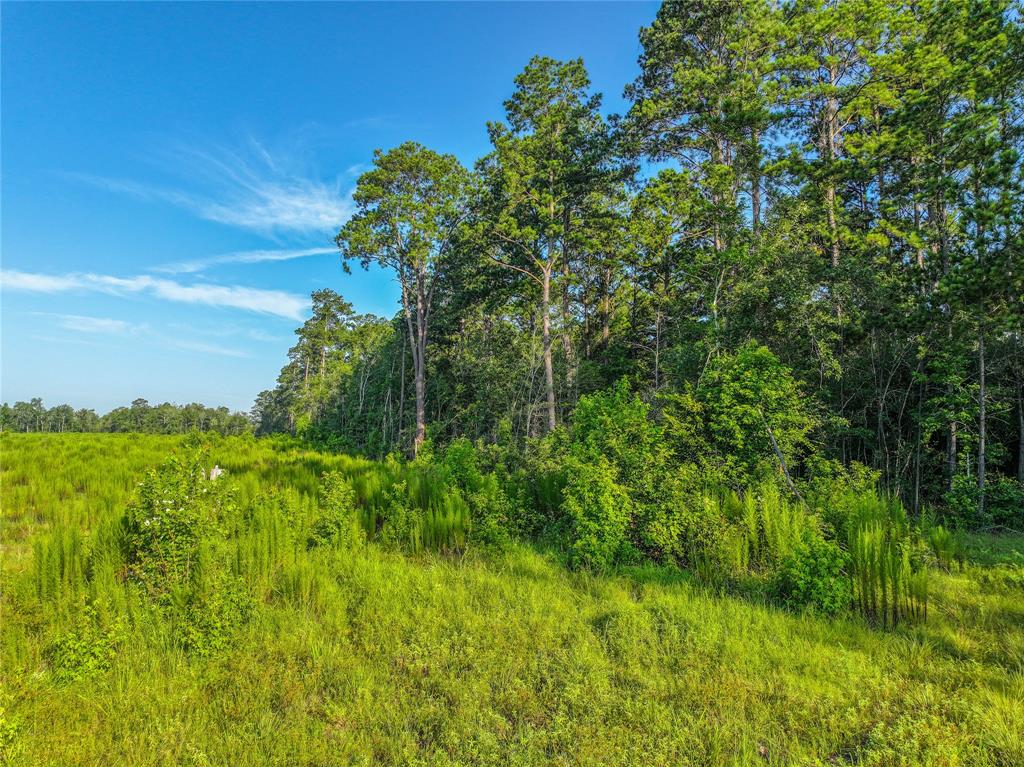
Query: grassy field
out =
(364, 656)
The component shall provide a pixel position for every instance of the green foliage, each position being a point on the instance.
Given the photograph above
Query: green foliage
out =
(1004, 500)
(685, 525)
(945, 545)
(889, 582)
(177, 508)
(87, 648)
(205, 618)
(747, 398)
(401, 521)
(617, 424)
(139, 417)
(815, 575)
(490, 508)
(338, 524)
(727, 424)
(597, 510)
(772, 527)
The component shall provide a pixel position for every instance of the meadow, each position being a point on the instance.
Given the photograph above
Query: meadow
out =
(283, 636)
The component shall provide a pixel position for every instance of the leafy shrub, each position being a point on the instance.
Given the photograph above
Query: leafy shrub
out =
(829, 486)
(813, 575)
(338, 523)
(491, 513)
(462, 464)
(727, 423)
(174, 510)
(598, 511)
(685, 524)
(85, 649)
(489, 505)
(401, 520)
(616, 424)
(204, 619)
(1004, 503)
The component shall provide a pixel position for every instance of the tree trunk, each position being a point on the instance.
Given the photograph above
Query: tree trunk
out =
(421, 418)
(829, 131)
(401, 394)
(657, 349)
(981, 420)
(419, 361)
(606, 305)
(951, 453)
(549, 373)
(755, 182)
(567, 348)
(1020, 425)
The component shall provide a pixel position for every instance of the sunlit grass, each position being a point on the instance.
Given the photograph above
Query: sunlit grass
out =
(366, 656)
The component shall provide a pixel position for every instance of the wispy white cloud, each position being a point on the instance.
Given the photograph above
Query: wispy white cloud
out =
(107, 326)
(198, 346)
(84, 324)
(243, 257)
(36, 283)
(229, 330)
(273, 302)
(249, 188)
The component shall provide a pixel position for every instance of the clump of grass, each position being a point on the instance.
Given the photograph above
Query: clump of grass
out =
(770, 527)
(889, 584)
(945, 545)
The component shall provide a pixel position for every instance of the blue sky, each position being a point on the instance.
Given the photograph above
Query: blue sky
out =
(173, 174)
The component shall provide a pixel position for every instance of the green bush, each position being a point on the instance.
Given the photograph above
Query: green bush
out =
(401, 520)
(175, 509)
(338, 522)
(616, 424)
(205, 618)
(814, 575)
(685, 524)
(598, 511)
(1004, 503)
(86, 648)
(489, 505)
(727, 423)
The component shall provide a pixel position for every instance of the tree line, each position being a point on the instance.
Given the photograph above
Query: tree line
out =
(806, 230)
(140, 416)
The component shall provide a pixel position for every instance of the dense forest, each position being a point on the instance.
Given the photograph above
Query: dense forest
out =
(140, 416)
(797, 254)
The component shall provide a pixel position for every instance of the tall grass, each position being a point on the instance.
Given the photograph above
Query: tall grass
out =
(284, 654)
(889, 584)
(766, 526)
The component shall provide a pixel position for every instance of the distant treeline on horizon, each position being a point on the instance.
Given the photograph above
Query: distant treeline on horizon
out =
(140, 416)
